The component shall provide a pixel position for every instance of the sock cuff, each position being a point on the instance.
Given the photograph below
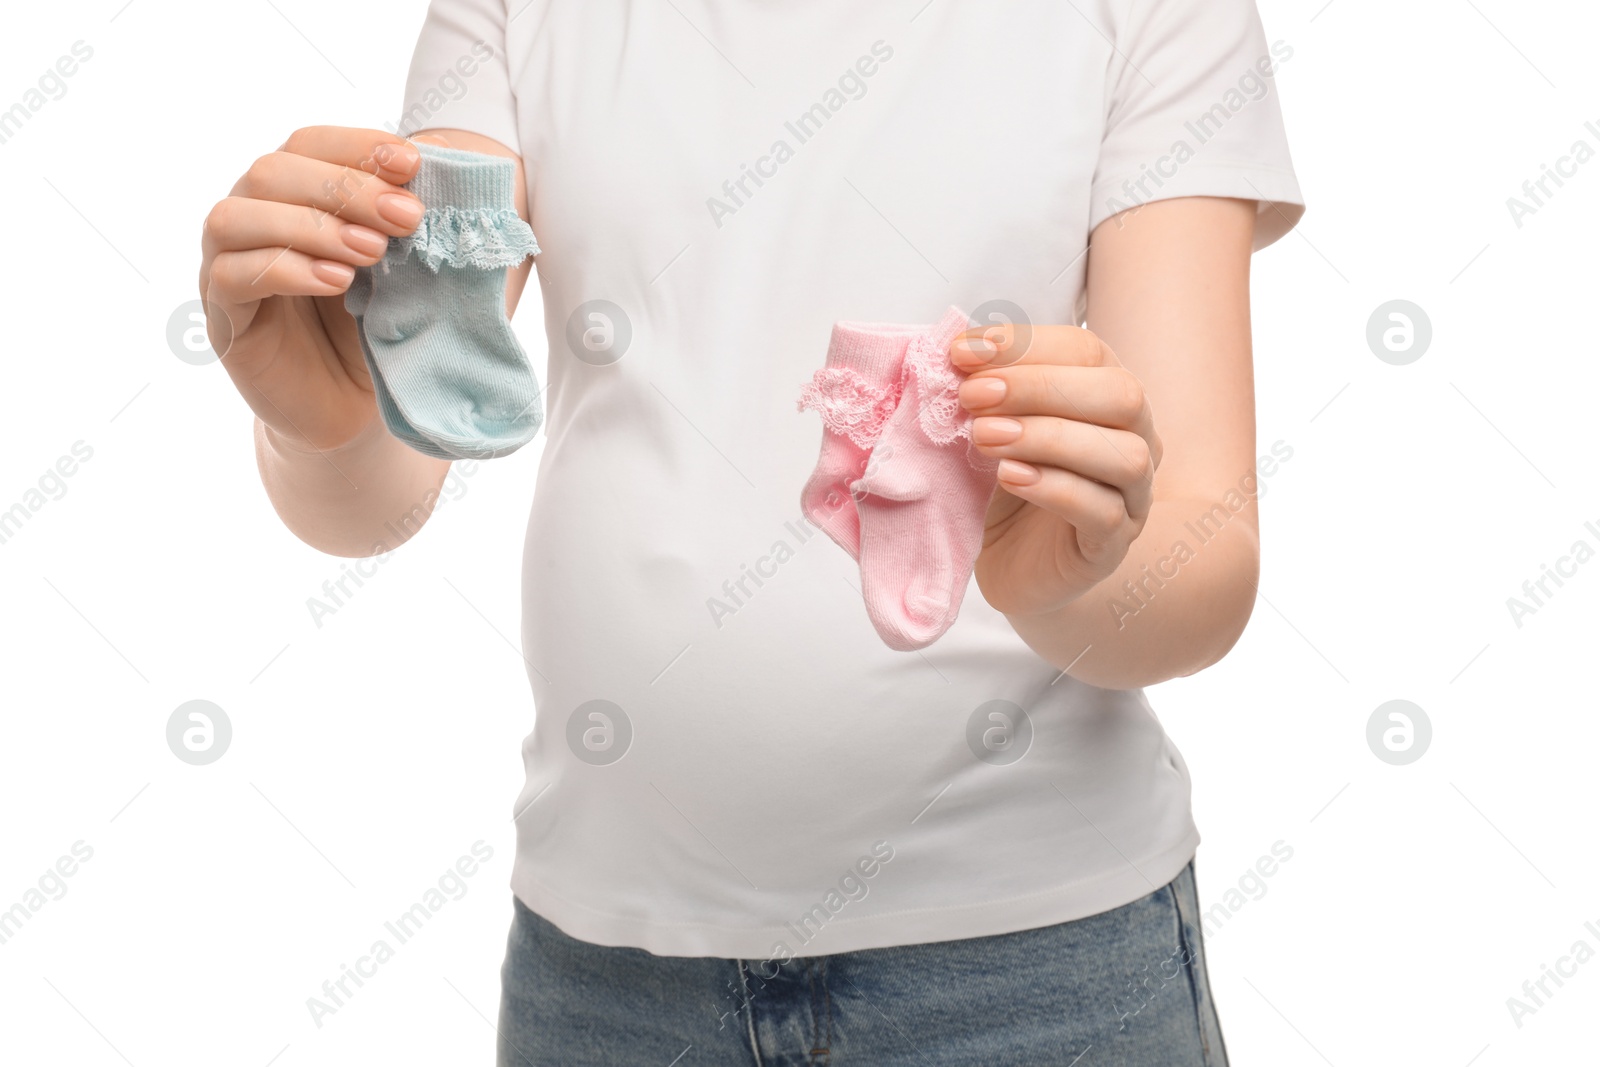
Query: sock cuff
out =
(457, 178)
(953, 323)
(873, 348)
(469, 216)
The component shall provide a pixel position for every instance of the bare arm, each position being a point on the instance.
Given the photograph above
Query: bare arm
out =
(1132, 556)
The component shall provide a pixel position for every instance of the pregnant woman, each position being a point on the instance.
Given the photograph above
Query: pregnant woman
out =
(752, 831)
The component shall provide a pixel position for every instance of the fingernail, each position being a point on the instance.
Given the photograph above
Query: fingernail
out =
(401, 209)
(333, 273)
(995, 431)
(367, 242)
(396, 156)
(978, 348)
(1017, 472)
(981, 392)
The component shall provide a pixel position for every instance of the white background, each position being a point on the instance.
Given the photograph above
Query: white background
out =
(1418, 499)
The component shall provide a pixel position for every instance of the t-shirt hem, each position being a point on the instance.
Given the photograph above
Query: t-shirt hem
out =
(1062, 903)
(1280, 204)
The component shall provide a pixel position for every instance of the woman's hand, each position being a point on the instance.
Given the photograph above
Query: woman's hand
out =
(1117, 574)
(278, 254)
(1078, 452)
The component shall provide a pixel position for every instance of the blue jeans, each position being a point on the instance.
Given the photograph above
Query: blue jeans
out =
(1125, 988)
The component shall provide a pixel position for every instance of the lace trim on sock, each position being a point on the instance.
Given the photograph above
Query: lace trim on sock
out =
(927, 373)
(849, 404)
(939, 410)
(485, 238)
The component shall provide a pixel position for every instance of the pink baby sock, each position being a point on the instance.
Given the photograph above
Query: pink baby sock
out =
(855, 392)
(922, 499)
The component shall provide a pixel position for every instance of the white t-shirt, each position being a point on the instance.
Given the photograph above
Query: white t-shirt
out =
(714, 183)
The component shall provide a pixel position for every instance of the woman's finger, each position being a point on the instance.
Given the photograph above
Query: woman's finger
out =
(236, 225)
(1019, 344)
(1094, 511)
(331, 189)
(384, 155)
(239, 278)
(1107, 396)
(1116, 458)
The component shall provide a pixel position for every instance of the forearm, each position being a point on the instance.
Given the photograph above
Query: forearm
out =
(363, 498)
(1177, 604)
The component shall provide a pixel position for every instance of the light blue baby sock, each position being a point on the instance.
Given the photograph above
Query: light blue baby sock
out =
(451, 380)
(356, 299)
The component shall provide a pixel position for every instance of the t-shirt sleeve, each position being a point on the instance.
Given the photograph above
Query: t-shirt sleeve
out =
(1192, 110)
(460, 76)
